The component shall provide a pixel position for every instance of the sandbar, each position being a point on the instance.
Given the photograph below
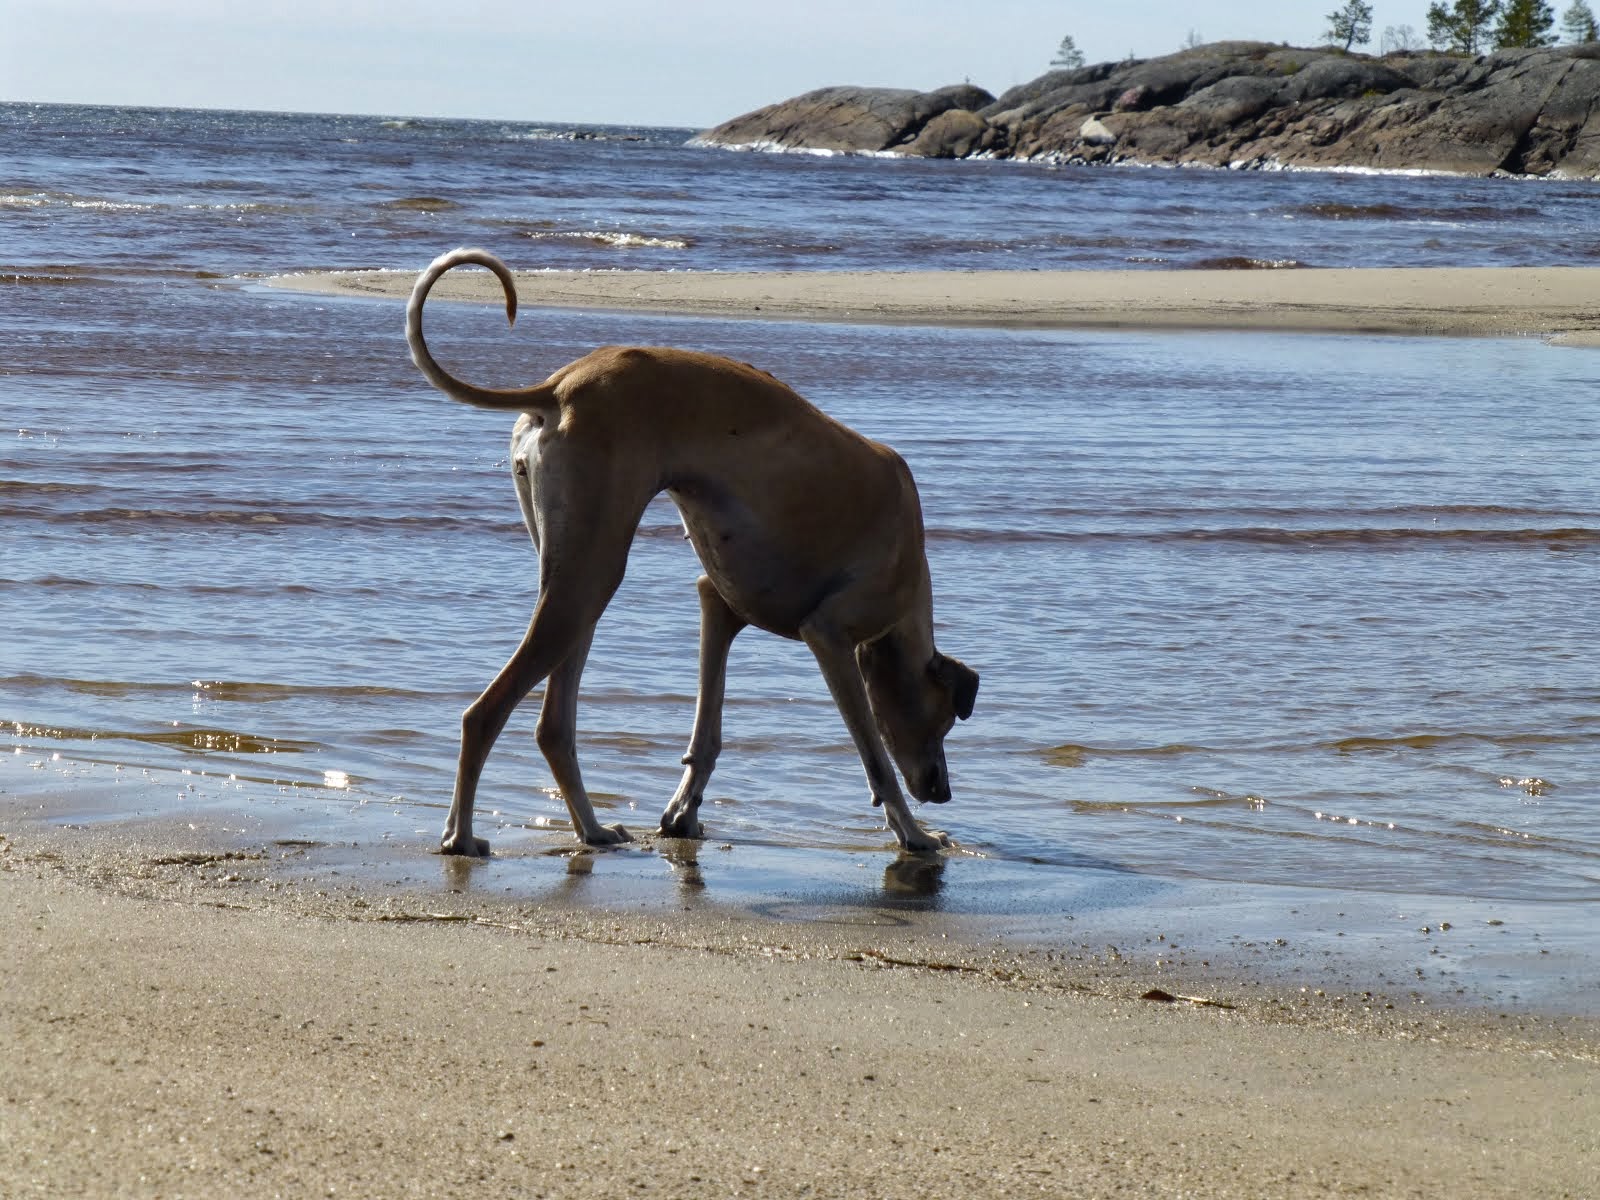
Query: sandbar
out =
(1558, 303)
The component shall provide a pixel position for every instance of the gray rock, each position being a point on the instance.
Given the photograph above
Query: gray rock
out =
(1094, 132)
(848, 119)
(954, 133)
(1520, 112)
(1233, 104)
(1239, 98)
(1025, 94)
(1343, 78)
(1132, 100)
(1422, 69)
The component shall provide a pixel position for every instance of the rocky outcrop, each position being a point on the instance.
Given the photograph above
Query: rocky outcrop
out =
(858, 120)
(1231, 104)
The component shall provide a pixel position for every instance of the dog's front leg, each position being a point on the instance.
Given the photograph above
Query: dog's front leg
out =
(836, 656)
(719, 625)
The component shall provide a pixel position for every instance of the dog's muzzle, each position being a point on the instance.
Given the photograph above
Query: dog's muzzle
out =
(934, 786)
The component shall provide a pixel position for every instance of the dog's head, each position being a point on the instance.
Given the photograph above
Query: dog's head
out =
(915, 701)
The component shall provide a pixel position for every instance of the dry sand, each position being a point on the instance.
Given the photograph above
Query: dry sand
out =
(184, 1021)
(1557, 302)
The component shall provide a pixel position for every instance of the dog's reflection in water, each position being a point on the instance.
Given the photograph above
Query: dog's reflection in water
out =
(914, 877)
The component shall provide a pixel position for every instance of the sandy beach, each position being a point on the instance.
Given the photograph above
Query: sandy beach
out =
(190, 1020)
(189, 1011)
(1550, 302)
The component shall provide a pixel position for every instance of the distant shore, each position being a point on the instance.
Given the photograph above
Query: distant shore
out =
(1558, 303)
(1238, 105)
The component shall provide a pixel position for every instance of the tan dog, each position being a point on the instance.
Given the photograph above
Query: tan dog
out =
(805, 529)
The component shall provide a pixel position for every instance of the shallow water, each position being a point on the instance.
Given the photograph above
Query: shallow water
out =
(1262, 612)
(1247, 607)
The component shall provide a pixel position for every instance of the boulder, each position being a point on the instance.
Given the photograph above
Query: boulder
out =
(1094, 132)
(845, 119)
(954, 133)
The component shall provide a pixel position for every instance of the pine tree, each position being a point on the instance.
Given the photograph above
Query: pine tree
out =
(1464, 26)
(1350, 25)
(1068, 56)
(1578, 24)
(1524, 23)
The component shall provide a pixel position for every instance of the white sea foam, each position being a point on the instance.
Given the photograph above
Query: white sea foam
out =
(617, 238)
(111, 205)
(763, 146)
(69, 200)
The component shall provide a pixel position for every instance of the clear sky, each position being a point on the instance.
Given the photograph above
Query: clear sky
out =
(649, 62)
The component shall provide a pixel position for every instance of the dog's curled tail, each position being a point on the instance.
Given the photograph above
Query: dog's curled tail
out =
(530, 399)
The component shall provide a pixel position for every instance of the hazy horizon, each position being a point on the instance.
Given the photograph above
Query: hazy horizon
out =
(624, 62)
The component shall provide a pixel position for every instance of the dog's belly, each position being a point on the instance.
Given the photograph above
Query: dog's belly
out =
(769, 580)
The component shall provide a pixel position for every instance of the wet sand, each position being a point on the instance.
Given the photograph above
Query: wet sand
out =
(190, 1014)
(1551, 302)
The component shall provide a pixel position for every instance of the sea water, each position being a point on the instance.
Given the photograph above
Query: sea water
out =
(1286, 615)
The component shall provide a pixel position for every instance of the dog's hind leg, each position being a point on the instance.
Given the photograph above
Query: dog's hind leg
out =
(547, 643)
(574, 588)
(557, 733)
(719, 625)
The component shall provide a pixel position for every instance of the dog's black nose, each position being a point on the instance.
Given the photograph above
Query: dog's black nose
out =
(936, 786)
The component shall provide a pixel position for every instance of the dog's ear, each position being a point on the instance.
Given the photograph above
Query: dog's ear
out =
(961, 679)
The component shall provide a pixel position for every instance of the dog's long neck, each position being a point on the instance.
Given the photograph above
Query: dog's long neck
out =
(914, 630)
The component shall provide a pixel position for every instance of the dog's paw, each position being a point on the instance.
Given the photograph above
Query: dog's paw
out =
(468, 847)
(926, 841)
(607, 835)
(684, 825)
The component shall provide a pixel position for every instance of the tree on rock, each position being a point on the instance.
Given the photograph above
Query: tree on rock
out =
(1464, 26)
(1524, 23)
(1350, 25)
(1067, 54)
(1399, 37)
(1577, 23)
